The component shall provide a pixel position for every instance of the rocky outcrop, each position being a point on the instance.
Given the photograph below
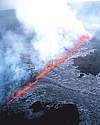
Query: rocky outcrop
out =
(45, 114)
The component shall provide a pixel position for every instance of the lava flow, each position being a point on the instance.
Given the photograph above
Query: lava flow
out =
(50, 68)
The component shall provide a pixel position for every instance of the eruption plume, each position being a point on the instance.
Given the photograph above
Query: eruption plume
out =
(53, 21)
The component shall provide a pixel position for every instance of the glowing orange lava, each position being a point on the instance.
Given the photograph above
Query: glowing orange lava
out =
(50, 68)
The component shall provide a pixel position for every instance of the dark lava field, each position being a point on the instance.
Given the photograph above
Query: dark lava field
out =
(68, 95)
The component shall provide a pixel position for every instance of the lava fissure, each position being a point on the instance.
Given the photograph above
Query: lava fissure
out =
(50, 68)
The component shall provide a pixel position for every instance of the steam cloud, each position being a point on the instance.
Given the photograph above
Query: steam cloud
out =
(54, 22)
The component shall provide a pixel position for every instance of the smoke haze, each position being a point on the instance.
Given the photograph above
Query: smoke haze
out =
(54, 22)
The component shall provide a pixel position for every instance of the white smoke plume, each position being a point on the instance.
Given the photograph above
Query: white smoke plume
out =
(54, 22)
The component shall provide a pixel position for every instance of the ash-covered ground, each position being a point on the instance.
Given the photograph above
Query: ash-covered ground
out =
(76, 81)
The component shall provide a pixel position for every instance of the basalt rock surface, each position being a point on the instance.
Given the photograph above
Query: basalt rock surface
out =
(44, 113)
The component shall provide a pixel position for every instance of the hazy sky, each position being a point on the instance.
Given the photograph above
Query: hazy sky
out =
(9, 4)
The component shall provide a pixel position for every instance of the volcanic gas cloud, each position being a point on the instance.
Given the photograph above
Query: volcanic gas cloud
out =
(54, 22)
